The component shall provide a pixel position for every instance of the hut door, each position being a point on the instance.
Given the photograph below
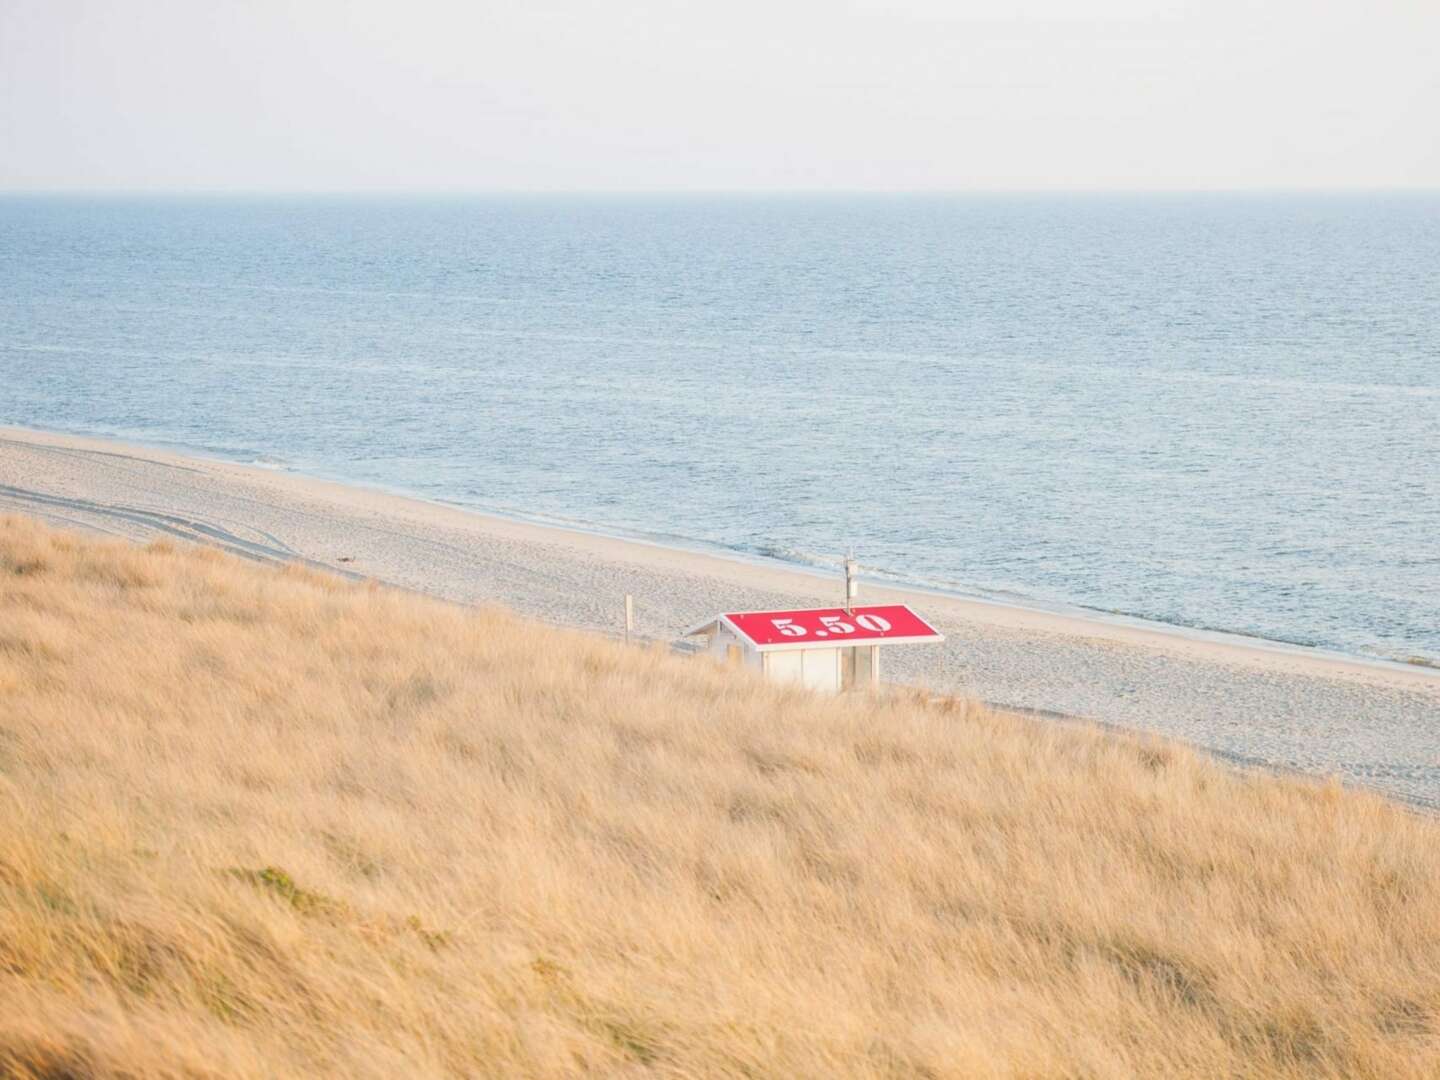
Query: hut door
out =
(822, 670)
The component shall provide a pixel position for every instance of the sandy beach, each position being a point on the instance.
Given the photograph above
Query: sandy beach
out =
(1371, 723)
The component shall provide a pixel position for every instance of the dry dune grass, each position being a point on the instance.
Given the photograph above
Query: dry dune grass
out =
(260, 823)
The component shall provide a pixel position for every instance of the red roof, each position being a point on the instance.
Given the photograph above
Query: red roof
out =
(883, 624)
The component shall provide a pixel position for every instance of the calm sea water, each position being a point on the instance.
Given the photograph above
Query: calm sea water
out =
(1219, 412)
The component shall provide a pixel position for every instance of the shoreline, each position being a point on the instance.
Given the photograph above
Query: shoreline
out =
(1372, 721)
(1076, 617)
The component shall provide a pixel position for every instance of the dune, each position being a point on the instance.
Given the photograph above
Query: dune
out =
(261, 821)
(1370, 723)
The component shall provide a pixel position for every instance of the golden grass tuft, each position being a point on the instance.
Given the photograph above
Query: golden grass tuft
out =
(261, 823)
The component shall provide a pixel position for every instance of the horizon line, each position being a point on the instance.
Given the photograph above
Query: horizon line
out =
(479, 192)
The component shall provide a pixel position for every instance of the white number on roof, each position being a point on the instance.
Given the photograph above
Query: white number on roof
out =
(835, 626)
(873, 622)
(788, 627)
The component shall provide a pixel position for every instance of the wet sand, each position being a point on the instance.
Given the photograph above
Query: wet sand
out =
(1371, 723)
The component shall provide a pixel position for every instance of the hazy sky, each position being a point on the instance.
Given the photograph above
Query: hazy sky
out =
(730, 94)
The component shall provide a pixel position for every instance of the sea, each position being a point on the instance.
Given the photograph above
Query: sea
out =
(1216, 411)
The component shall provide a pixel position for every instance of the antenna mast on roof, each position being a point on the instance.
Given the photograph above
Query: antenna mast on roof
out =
(852, 581)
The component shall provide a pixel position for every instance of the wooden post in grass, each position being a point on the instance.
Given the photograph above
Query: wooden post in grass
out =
(629, 616)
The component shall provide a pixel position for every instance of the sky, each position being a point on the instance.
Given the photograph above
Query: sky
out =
(730, 95)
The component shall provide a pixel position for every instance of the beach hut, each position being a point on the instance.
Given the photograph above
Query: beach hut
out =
(826, 649)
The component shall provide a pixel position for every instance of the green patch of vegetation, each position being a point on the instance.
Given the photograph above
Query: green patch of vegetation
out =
(350, 855)
(602, 1018)
(224, 1000)
(283, 885)
(633, 1042)
(25, 566)
(435, 939)
(54, 899)
(548, 969)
